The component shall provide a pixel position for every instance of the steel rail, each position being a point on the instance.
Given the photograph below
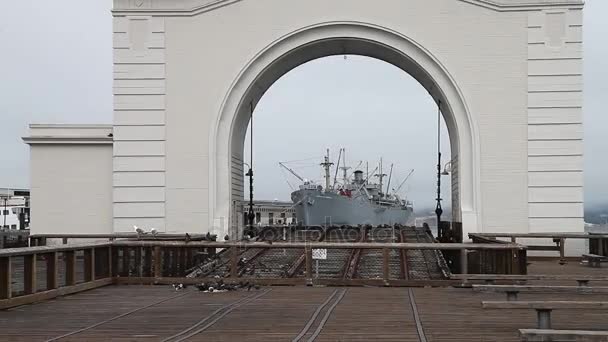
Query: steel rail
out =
(313, 318)
(226, 310)
(326, 316)
(419, 327)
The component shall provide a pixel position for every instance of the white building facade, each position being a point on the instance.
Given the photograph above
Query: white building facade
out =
(507, 73)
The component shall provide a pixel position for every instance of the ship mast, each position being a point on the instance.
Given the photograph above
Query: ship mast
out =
(326, 165)
(337, 169)
(390, 175)
(344, 168)
(381, 175)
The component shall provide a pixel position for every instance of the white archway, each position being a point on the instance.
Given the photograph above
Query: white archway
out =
(337, 38)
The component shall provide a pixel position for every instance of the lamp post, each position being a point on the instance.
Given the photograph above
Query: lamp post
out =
(438, 209)
(250, 215)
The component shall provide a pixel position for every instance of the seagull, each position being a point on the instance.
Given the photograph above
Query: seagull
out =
(139, 231)
(153, 231)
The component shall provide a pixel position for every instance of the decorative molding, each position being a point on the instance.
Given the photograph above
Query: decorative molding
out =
(68, 140)
(171, 8)
(195, 7)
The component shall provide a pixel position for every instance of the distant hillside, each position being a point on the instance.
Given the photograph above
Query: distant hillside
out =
(596, 214)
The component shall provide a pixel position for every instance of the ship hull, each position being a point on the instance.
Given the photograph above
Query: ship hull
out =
(318, 208)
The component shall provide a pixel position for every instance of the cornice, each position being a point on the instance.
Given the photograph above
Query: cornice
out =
(195, 7)
(46, 140)
(159, 8)
(525, 5)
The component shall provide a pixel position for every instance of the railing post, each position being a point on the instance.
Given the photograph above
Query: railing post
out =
(29, 274)
(5, 278)
(109, 260)
(600, 246)
(513, 239)
(51, 270)
(562, 250)
(234, 259)
(157, 262)
(464, 261)
(70, 268)
(385, 265)
(89, 264)
(308, 253)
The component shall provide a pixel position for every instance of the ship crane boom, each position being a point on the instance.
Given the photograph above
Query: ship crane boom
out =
(291, 171)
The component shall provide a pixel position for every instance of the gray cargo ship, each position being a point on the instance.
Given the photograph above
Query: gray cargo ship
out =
(349, 202)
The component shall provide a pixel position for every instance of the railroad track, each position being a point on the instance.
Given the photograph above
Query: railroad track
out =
(340, 263)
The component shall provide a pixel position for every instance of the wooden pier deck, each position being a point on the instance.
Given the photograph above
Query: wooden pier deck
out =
(159, 313)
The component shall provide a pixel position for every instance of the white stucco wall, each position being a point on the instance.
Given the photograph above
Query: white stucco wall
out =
(518, 67)
(71, 179)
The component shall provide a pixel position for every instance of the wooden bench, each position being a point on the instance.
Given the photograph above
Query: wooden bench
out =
(582, 280)
(595, 260)
(544, 308)
(513, 290)
(534, 335)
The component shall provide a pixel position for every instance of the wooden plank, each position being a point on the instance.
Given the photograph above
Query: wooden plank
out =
(126, 261)
(562, 335)
(544, 305)
(540, 288)
(385, 264)
(5, 278)
(157, 262)
(49, 249)
(555, 235)
(515, 277)
(234, 258)
(70, 267)
(89, 264)
(147, 266)
(49, 294)
(308, 253)
(327, 245)
(52, 270)
(29, 274)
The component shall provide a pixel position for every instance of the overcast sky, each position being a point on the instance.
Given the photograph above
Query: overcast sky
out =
(56, 67)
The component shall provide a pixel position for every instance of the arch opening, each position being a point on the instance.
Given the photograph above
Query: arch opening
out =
(326, 40)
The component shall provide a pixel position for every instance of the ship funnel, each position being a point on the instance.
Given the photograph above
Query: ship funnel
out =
(358, 176)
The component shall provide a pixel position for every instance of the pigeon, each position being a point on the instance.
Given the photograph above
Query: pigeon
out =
(187, 237)
(226, 238)
(178, 287)
(208, 236)
(153, 231)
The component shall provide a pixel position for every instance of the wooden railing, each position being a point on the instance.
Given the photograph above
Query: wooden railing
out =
(487, 262)
(598, 242)
(38, 273)
(14, 238)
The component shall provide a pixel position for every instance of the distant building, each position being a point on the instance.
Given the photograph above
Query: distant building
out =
(270, 213)
(14, 208)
